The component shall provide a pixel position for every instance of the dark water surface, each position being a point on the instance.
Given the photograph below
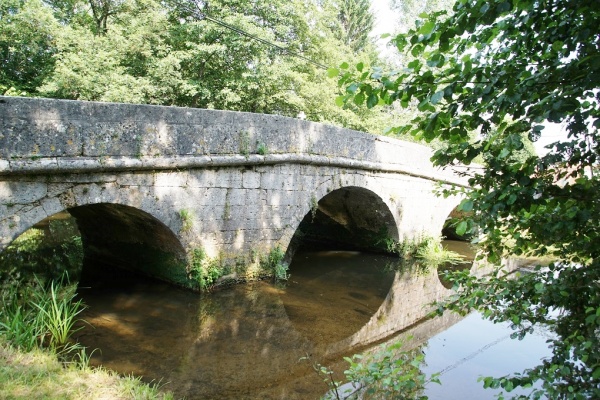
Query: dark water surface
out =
(244, 342)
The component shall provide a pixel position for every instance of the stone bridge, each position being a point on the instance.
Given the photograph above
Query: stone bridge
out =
(153, 187)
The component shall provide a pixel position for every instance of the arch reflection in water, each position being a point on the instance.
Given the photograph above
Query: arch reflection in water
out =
(332, 294)
(244, 342)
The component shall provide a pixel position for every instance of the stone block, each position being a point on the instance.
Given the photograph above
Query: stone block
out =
(250, 180)
(203, 178)
(14, 192)
(135, 179)
(52, 206)
(170, 179)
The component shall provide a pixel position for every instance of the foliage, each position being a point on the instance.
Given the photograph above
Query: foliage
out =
(504, 69)
(264, 57)
(35, 314)
(203, 269)
(58, 312)
(422, 253)
(274, 265)
(48, 256)
(262, 148)
(356, 20)
(27, 45)
(391, 373)
(37, 298)
(18, 324)
(326, 374)
(409, 10)
(187, 220)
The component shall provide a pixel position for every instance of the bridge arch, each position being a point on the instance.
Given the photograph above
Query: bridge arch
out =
(119, 237)
(350, 217)
(115, 237)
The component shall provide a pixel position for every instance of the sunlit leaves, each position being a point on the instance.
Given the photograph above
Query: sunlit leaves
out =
(502, 69)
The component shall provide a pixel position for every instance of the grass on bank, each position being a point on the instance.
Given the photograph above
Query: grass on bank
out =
(37, 374)
(38, 357)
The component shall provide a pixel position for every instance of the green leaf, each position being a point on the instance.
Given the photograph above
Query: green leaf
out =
(333, 72)
(558, 45)
(360, 66)
(461, 228)
(427, 28)
(352, 88)
(437, 97)
(359, 98)
(372, 100)
(466, 205)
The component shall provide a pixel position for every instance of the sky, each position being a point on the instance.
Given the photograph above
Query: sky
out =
(385, 17)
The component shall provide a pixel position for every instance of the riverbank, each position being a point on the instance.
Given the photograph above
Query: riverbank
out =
(38, 374)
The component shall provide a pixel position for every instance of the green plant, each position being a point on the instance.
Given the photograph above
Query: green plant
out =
(18, 325)
(261, 148)
(390, 373)
(204, 270)
(58, 314)
(512, 76)
(326, 375)
(39, 315)
(274, 265)
(187, 220)
(47, 256)
(431, 252)
(422, 253)
(244, 138)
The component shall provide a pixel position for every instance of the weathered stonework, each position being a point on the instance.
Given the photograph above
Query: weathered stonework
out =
(57, 155)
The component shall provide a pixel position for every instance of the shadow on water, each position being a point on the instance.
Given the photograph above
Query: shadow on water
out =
(246, 342)
(332, 294)
(243, 342)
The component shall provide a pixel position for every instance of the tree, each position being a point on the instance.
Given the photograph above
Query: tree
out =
(27, 45)
(263, 57)
(503, 68)
(357, 21)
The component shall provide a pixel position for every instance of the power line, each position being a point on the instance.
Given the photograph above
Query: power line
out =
(198, 13)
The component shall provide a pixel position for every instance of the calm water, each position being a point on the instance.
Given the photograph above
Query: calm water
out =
(476, 347)
(246, 342)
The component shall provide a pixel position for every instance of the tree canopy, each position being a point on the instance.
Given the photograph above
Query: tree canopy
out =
(245, 55)
(503, 69)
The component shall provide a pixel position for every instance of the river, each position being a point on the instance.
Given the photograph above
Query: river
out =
(249, 341)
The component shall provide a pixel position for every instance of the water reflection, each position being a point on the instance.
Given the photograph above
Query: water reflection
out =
(332, 294)
(244, 342)
(476, 347)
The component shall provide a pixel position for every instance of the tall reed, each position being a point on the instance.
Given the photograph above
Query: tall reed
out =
(58, 312)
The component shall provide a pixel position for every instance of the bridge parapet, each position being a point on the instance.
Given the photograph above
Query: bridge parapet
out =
(56, 136)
